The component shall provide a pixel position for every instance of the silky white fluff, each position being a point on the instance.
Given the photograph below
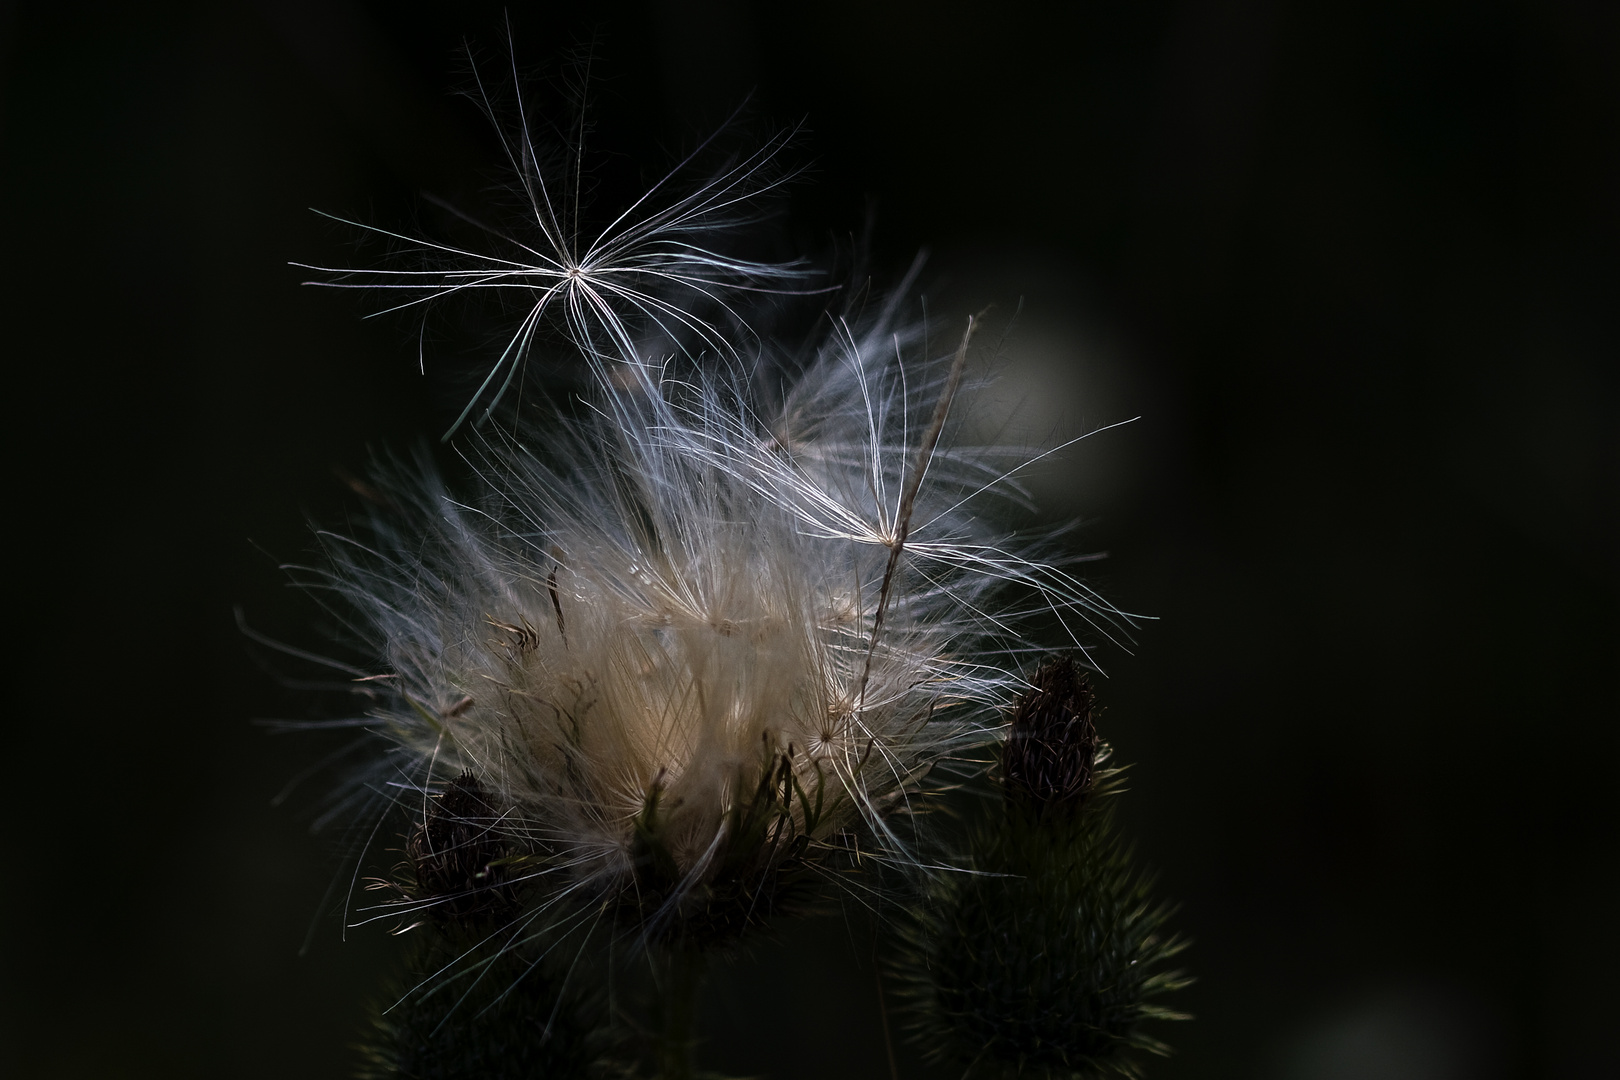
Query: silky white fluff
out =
(693, 586)
(678, 594)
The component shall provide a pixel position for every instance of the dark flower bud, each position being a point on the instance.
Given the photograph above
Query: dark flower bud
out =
(1051, 751)
(455, 853)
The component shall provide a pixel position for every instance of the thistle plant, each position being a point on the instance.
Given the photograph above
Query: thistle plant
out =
(1046, 954)
(693, 648)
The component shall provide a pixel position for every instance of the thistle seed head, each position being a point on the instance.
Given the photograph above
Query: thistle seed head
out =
(691, 644)
(677, 645)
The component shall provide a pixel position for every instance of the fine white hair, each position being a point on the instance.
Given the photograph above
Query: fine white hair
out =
(725, 585)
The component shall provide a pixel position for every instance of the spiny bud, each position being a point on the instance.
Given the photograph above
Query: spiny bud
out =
(1051, 750)
(1047, 962)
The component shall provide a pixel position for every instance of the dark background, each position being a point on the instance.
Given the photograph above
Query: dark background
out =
(1356, 263)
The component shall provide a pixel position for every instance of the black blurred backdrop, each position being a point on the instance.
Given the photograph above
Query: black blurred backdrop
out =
(1355, 262)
